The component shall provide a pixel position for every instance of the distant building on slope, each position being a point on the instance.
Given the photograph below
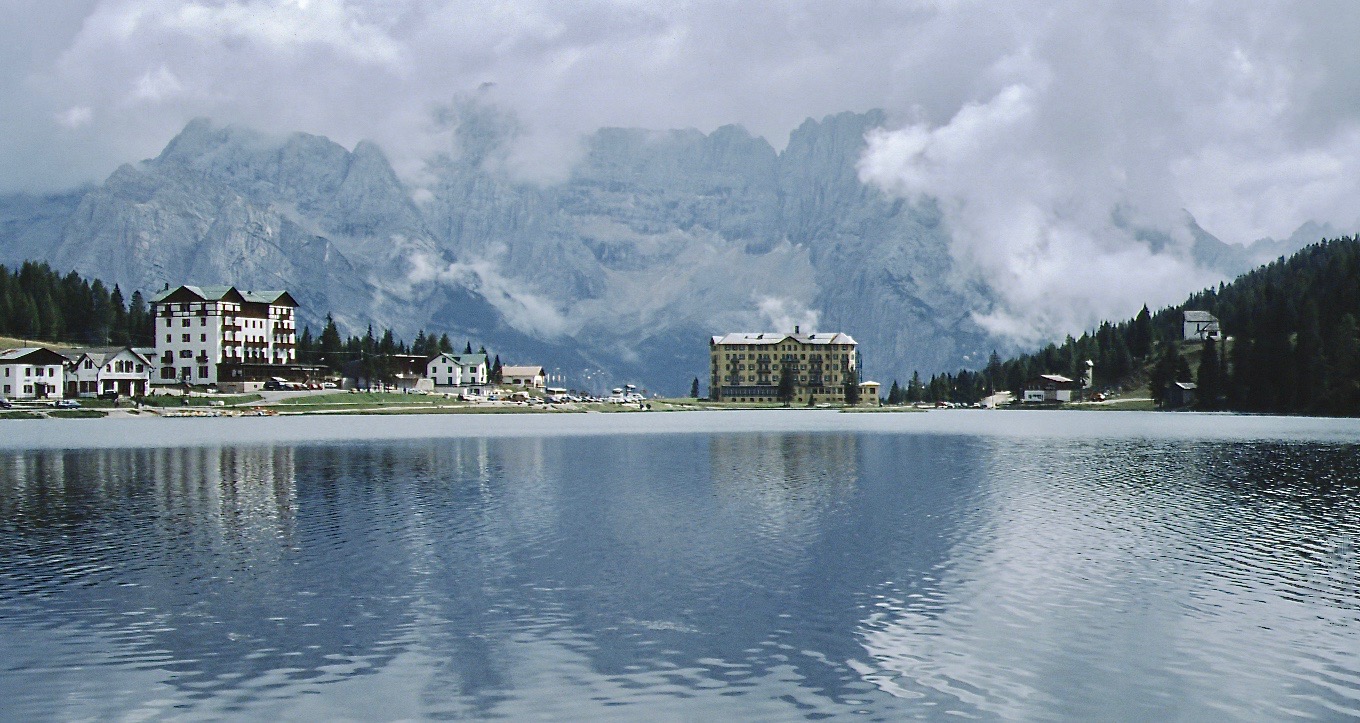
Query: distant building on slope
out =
(1201, 325)
(748, 367)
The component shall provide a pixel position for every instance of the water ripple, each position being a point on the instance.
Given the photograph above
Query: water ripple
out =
(754, 576)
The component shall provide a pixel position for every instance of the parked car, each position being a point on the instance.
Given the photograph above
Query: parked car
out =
(329, 385)
(5, 403)
(273, 385)
(109, 395)
(67, 404)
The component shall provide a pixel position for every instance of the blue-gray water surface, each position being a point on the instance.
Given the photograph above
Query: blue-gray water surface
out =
(729, 566)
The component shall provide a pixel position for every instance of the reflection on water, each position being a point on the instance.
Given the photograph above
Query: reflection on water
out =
(751, 576)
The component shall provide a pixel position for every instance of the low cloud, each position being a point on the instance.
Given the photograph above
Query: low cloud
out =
(527, 312)
(1047, 132)
(784, 314)
(75, 117)
(1088, 134)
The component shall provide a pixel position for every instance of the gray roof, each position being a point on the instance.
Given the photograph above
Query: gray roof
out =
(1199, 316)
(22, 354)
(262, 297)
(215, 293)
(99, 355)
(463, 359)
(521, 371)
(207, 293)
(775, 337)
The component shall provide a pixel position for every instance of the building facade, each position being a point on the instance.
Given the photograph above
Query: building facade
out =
(529, 377)
(1050, 388)
(746, 367)
(118, 370)
(458, 370)
(1201, 325)
(219, 335)
(32, 373)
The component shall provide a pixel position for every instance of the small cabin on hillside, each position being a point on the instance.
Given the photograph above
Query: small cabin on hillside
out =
(1181, 394)
(1201, 325)
(1050, 388)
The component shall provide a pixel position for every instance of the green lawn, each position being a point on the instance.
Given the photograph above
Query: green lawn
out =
(77, 414)
(168, 400)
(372, 399)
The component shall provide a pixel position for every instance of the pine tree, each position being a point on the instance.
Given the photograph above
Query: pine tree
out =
(1140, 334)
(694, 388)
(786, 390)
(1209, 382)
(1342, 386)
(329, 347)
(915, 391)
(141, 325)
(852, 387)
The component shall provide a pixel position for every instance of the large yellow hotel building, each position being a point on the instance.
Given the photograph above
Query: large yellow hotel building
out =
(748, 367)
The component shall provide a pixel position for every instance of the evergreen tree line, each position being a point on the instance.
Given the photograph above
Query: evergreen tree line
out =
(1294, 336)
(371, 356)
(39, 304)
(1119, 351)
(1292, 345)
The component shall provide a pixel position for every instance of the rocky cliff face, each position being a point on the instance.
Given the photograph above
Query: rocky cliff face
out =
(655, 241)
(660, 238)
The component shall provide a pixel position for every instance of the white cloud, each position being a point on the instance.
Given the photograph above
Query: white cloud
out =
(785, 314)
(157, 85)
(527, 312)
(75, 116)
(1091, 125)
(1031, 123)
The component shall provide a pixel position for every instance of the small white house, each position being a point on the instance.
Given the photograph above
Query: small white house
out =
(117, 370)
(32, 373)
(529, 377)
(458, 370)
(1201, 325)
(1050, 388)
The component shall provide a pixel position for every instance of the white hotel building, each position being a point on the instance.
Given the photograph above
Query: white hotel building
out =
(219, 335)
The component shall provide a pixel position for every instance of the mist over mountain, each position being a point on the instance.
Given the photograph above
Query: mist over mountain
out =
(655, 240)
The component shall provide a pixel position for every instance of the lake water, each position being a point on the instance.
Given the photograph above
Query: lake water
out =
(726, 566)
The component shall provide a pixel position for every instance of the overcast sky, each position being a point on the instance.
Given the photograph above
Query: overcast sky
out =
(1031, 123)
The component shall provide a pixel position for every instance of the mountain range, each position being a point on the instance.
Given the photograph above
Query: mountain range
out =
(619, 272)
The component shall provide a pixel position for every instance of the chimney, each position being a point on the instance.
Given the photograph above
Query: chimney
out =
(795, 328)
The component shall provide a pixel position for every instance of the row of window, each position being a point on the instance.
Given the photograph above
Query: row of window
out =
(795, 367)
(170, 373)
(118, 367)
(29, 371)
(782, 347)
(784, 357)
(231, 321)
